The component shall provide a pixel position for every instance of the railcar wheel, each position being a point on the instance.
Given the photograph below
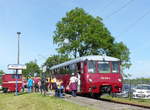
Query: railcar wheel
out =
(85, 95)
(95, 95)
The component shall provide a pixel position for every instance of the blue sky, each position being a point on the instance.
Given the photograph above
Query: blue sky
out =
(127, 20)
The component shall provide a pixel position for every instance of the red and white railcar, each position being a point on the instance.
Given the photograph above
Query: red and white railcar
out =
(9, 82)
(96, 74)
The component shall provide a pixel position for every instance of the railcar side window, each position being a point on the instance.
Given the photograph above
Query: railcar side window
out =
(115, 67)
(62, 70)
(72, 68)
(82, 67)
(103, 67)
(14, 76)
(92, 67)
(67, 69)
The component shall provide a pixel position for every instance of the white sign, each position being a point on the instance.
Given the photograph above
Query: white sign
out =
(16, 66)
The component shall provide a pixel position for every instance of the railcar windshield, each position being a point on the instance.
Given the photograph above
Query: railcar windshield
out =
(14, 76)
(115, 67)
(91, 66)
(103, 67)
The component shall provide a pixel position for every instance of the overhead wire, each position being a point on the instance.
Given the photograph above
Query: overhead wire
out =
(107, 5)
(118, 10)
(136, 21)
(124, 6)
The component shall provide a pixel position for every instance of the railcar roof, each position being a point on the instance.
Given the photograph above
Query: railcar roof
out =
(92, 57)
(10, 73)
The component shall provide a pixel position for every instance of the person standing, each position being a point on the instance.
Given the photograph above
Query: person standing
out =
(54, 83)
(49, 83)
(39, 85)
(23, 85)
(73, 84)
(36, 87)
(60, 88)
(30, 85)
(43, 86)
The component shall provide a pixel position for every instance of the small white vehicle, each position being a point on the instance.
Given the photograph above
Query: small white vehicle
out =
(141, 91)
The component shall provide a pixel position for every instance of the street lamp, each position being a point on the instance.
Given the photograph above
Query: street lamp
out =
(18, 61)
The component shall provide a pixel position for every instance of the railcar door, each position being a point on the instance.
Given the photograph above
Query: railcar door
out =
(79, 82)
(83, 77)
(80, 76)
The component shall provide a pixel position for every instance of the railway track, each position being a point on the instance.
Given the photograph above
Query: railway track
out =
(104, 104)
(125, 103)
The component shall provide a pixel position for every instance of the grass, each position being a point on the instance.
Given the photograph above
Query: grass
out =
(36, 102)
(145, 102)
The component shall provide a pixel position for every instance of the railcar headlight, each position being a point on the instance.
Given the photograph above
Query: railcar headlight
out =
(119, 80)
(90, 80)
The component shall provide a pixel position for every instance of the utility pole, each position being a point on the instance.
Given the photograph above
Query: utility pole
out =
(18, 61)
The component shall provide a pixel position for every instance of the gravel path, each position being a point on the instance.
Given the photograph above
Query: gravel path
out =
(100, 105)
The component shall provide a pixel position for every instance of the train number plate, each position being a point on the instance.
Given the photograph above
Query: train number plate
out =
(104, 77)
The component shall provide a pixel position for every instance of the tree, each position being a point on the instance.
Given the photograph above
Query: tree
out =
(54, 60)
(138, 81)
(120, 50)
(79, 34)
(1, 72)
(32, 68)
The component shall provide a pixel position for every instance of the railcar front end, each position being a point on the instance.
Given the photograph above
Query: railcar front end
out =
(9, 82)
(102, 77)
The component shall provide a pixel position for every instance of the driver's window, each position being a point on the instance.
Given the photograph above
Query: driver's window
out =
(91, 67)
(115, 67)
(103, 67)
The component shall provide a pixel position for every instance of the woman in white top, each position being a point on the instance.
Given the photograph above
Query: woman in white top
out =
(73, 84)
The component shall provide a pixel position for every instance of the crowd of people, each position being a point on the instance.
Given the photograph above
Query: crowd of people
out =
(43, 85)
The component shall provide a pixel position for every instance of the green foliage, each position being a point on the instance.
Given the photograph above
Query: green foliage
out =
(1, 72)
(54, 60)
(138, 81)
(120, 50)
(32, 68)
(79, 34)
(35, 101)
